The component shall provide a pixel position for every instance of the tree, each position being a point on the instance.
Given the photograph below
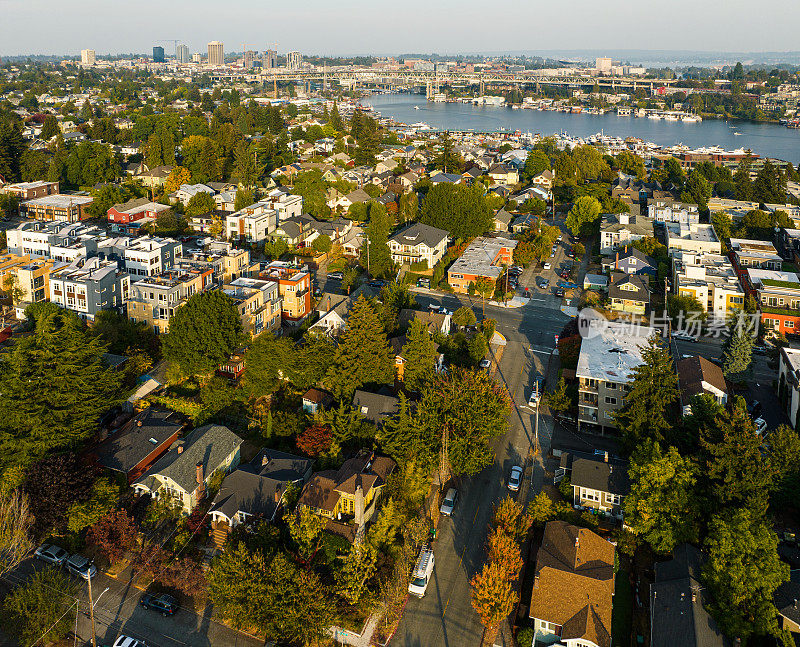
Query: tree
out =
(662, 507)
(584, 212)
(541, 509)
(322, 244)
(203, 333)
(471, 409)
(653, 390)
(38, 610)
(419, 355)
(493, 596)
(737, 354)
(510, 517)
(363, 356)
(16, 522)
(315, 440)
(357, 567)
(377, 257)
(408, 207)
(769, 187)
(536, 162)
(101, 500)
(49, 128)
(313, 188)
(741, 179)
(631, 164)
(200, 204)
(335, 119)
(559, 400)
(177, 176)
(246, 168)
(697, 190)
(505, 551)
(464, 316)
(405, 438)
(448, 160)
(589, 163)
(244, 198)
(238, 585)
(458, 209)
(306, 528)
(742, 572)
(114, 535)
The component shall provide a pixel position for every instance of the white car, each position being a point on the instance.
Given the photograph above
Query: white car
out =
(515, 478)
(485, 363)
(127, 641)
(80, 566)
(761, 425)
(51, 554)
(683, 336)
(422, 572)
(449, 502)
(547, 266)
(536, 393)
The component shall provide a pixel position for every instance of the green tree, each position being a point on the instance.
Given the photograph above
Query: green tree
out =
(200, 204)
(49, 128)
(16, 523)
(335, 119)
(363, 356)
(464, 316)
(312, 186)
(769, 187)
(589, 163)
(246, 167)
(203, 333)
(584, 212)
(653, 391)
(737, 354)
(357, 567)
(697, 190)
(408, 207)
(458, 209)
(376, 253)
(536, 162)
(419, 355)
(559, 400)
(239, 586)
(741, 179)
(405, 438)
(244, 198)
(662, 507)
(742, 572)
(322, 244)
(448, 160)
(306, 528)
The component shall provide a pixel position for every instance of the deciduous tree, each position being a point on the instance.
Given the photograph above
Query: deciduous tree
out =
(584, 212)
(16, 522)
(493, 596)
(306, 529)
(114, 535)
(357, 567)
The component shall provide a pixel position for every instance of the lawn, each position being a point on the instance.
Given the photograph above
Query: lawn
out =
(623, 609)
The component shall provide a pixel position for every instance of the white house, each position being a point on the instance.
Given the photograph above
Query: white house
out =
(418, 243)
(187, 191)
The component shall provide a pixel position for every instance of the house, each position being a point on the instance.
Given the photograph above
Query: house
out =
(358, 196)
(595, 282)
(183, 474)
(786, 597)
(502, 220)
(573, 588)
(30, 190)
(348, 497)
(417, 243)
(186, 192)
(778, 297)
(144, 439)
(629, 293)
(666, 210)
(484, 258)
(333, 309)
(439, 177)
(255, 491)
(125, 213)
(599, 482)
(253, 224)
(294, 285)
(523, 222)
(544, 180)
(698, 376)
(678, 602)
(709, 278)
(156, 177)
(632, 261)
(258, 304)
(621, 229)
(434, 321)
(386, 165)
(375, 407)
(789, 383)
(316, 400)
(503, 174)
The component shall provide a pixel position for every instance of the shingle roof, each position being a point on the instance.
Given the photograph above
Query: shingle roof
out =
(419, 233)
(126, 449)
(599, 475)
(641, 293)
(787, 596)
(375, 406)
(693, 371)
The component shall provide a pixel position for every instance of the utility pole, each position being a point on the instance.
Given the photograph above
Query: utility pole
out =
(91, 611)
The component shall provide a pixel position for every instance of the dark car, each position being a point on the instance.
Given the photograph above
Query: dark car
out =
(558, 292)
(754, 409)
(376, 284)
(759, 350)
(164, 604)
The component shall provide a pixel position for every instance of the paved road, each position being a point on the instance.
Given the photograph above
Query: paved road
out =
(444, 617)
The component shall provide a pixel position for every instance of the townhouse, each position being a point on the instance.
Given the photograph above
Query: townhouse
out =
(621, 229)
(709, 278)
(294, 286)
(154, 299)
(253, 224)
(484, 258)
(258, 303)
(754, 253)
(692, 237)
(778, 297)
(667, 210)
(286, 205)
(150, 255)
(88, 285)
(57, 207)
(418, 243)
(26, 280)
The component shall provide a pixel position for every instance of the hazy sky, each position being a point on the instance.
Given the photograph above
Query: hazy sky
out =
(380, 27)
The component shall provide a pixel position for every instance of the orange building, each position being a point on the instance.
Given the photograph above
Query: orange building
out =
(483, 259)
(294, 285)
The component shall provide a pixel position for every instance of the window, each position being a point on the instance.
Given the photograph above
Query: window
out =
(789, 323)
(610, 400)
(611, 386)
(590, 495)
(613, 499)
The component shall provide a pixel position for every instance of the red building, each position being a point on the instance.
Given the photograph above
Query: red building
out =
(134, 210)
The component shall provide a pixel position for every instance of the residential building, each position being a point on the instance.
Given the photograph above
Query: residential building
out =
(30, 190)
(125, 213)
(154, 299)
(150, 255)
(255, 491)
(736, 209)
(621, 229)
(155, 177)
(270, 60)
(184, 473)
(545, 180)
(182, 54)
(678, 602)
(599, 482)
(88, 285)
(139, 443)
(630, 260)
(253, 224)
(348, 497)
(709, 278)
(789, 383)
(333, 310)
(629, 293)
(186, 192)
(294, 284)
(24, 279)
(286, 205)
(778, 297)
(692, 238)
(698, 376)
(41, 239)
(503, 174)
(375, 407)
(317, 400)
(158, 54)
(295, 230)
(258, 303)
(216, 53)
(608, 356)
(417, 243)
(754, 253)
(88, 57)
(435, 322)
(294, 60)
(484, 258)
(786, 597)
(666, 210)
(573, 588)
(57, 206)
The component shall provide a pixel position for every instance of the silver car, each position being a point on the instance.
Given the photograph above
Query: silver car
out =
(515, 478)
(449, 502)
(51, 554)
(81, 566)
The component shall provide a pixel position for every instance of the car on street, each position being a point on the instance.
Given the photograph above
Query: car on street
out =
(485, 363)
(51, 554)
(542, 282)
(449, 502)
(759, 349)
(376, 284)
(516, 268)
(553, 251)
(761, 425)
(547, 266)
(423, 283)
(536, 392)
(422, 572)
(336, 276)
(683, 336)
(127, 641)
(515, 478)
(164, 604)
(80, 566)
(754, 409)
(559, 292)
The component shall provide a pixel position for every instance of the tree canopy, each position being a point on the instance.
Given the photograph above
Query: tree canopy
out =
(458, 209)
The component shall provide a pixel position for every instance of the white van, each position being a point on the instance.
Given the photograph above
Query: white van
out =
(422, 572)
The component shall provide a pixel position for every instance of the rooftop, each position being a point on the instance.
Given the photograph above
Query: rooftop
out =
(613, 352)
(481, 254)
(60, 200)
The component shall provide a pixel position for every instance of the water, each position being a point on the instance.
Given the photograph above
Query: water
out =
(766, 140)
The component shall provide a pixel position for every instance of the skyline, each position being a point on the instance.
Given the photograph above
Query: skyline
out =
(356, 27)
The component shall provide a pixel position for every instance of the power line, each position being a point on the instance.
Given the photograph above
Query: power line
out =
(50, 628)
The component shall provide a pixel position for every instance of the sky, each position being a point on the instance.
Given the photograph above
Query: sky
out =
(379, 27)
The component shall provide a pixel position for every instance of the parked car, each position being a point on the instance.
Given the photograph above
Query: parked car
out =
(376, 284)
(754, 409)
(683, 336)
(547, 266)
(536, 392)
(165, 604)
(51, 554)
(761, 425)
(515, 478)
(543, 282)
(559, 292)
(759, 349)
(516, 268)
(336, 276)
(449, 502)
(485, 363)
(81, 567)
(127, 641)
(423, 283)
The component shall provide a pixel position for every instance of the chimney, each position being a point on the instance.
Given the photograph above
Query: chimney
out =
(536, 582)
(605, 457)
(201, 488)
(265, 460)
(359, 504)
(180, 449)
(616, 262)
(277, 495)
(577, 542)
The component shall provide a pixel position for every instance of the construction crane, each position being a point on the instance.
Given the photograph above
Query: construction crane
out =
(174, 42)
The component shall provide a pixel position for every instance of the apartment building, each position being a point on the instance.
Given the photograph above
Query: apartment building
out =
(294, 285)
(125, 213)
(621, 229)
(789, 383)
(253, 224)
(759, 254)
(692, 237)
(778, 297)
(709, 278)
(666, 210)
(58, 207)
(154, 299)
(258, 303)
(24, 279)
(40, 239)
(736, 209)
(605, 369)
(150, 255)
(484, 258)
(417, 243)
(30, 190)
(90, 285)
(286, 205)
(229, 263)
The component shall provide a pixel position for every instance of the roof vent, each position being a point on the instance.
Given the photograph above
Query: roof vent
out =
(154, 441)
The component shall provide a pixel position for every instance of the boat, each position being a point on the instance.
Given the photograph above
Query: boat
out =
(671, 118)
(690, 119)
(416, 107)
(654, 116)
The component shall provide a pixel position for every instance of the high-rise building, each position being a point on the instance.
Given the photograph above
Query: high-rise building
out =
(216, 53)
(197, 58)
(294, 60)
(248, 57)
(87, 57)
(603, 65)
(158, 54)
(270, 59)
(182, 54)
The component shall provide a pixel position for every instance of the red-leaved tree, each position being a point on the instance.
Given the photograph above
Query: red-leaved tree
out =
(114, 535)
(315, 440)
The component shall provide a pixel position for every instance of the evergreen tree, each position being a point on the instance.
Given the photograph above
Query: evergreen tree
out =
(154, 155)
(769, 186)
(737, 354)
(536, 162)
(457, 208)
(653, 391)
(448, 160)
(559, 400)
(49, 128)
(335, 119)
(403, 437)
(419, 355)
(377, 255)
(203, 333)
(741, 179)
(363, 356)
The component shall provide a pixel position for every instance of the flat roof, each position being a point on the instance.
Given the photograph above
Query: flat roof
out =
(478, 257)
(60, 200)
(613, 351)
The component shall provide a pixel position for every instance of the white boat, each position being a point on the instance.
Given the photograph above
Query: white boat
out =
(690, 119)
(416, 107)
(671, 118)
(654, 116)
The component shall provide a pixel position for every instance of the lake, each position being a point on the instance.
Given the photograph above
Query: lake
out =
(767, 140)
